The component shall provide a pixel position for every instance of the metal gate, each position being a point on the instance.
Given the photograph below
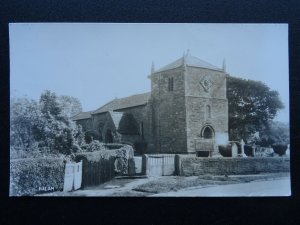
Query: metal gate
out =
(73, 176)
(160, 165)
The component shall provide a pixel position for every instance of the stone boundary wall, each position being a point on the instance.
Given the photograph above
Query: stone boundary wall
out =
(194, 166)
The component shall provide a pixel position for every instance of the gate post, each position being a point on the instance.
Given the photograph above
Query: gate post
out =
(145, 164)
(177, 165)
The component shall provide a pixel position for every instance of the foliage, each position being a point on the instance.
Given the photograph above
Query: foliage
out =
(249, 150)
(251, 106)
(140, 147)
(41, 124)
(49, 104)
(69, 105)
(24, 114)
(280, 148)
(90, 136)
(274, 132)
(28, 176)
(124, 163)
(225, 150)
(95, 145)
(128, 125)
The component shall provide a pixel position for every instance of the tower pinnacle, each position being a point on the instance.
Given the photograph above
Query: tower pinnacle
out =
(152, 67)
(224, 65)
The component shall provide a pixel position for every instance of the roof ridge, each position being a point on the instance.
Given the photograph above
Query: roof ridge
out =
(190, 60)
(104, 105)
(125, 102)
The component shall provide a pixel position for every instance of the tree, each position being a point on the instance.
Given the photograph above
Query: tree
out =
(41, 124)
(24, 115)
(49, 104)
(276, 132)
(69, 105)
(251, 105)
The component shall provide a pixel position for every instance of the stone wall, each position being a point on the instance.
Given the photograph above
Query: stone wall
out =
(101, 123)
(195, 166)
(196, 75)
(198, 99)
(169, 114)
(86, 124)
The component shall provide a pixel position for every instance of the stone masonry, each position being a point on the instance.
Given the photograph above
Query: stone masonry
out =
(185, 112)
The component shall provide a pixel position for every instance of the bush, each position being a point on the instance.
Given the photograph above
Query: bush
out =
(90, 136)
(113, 145)
(93, 146)
(128, 125)
(76, 148)
(280, 148)
(125, 160)
(225, 150)
(249, 150)
(140, 147)
(28, 176)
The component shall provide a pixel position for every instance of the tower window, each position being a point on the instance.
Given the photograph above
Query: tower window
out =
(170, 84)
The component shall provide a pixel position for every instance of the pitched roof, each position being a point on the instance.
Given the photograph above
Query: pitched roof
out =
(116, 118)
(190, 61)
(121, 103)
(82, 115)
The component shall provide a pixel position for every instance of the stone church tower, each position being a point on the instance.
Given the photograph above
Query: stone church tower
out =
(189, 108)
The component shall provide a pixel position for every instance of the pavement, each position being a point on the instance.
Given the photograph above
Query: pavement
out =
(276, 187)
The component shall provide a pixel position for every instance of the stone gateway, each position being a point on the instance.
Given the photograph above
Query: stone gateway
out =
(185, 112)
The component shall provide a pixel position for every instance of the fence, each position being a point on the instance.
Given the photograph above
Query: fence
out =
(158, 164)
(95, 173)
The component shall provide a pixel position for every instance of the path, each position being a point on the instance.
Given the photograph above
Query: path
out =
(277, 187)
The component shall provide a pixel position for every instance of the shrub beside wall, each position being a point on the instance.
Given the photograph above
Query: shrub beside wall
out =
(190, 166)
(35, 175)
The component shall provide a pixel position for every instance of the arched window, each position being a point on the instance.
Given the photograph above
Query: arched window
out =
(208, 132)
(208, 112)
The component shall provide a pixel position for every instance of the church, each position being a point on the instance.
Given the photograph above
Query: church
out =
(185, 112)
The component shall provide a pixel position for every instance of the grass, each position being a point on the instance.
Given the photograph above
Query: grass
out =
(172, 183)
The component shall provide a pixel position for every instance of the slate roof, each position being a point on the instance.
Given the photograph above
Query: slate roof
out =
(82, 115)
(190, 61)
(121, 103)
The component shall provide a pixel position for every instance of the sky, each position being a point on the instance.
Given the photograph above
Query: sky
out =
(97, 62)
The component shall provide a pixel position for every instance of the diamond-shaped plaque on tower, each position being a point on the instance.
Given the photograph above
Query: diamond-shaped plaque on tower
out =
(206, 83)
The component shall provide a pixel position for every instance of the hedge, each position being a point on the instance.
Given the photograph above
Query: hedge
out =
(36, 175)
